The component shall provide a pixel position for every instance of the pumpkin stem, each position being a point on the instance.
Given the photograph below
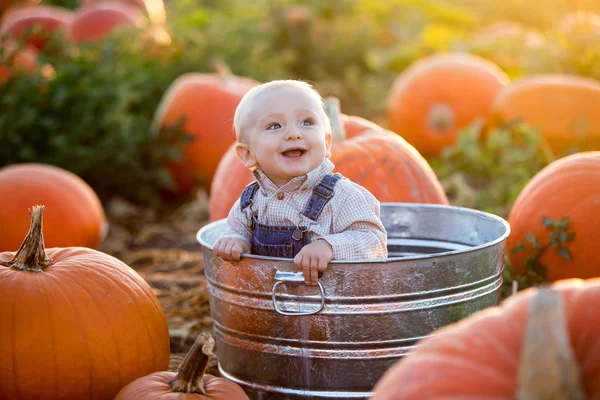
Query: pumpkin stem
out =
(548, 369)
(221, 68)
(441, 118)
(31, 256)
(332, 110)
(191, 371)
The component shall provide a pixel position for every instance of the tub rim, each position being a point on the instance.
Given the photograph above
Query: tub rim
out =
(450, 253)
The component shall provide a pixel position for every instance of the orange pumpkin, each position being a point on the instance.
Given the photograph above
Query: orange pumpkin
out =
(76, 323)
(47, 18)
(568, 187)
(97, 21)
(564, 108)
(190, 383)
(12, 58)
(207, 102)
(436, 97)
(381, 161)
(536, 345)
(75, 216)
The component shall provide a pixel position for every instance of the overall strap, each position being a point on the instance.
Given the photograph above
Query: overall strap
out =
(248, 194)
(322, 193)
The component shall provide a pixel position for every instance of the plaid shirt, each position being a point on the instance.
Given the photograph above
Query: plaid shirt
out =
(350, 222)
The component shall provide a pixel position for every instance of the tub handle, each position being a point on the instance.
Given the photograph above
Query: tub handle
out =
(294, 278)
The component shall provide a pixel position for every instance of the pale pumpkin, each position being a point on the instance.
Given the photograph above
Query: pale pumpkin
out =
(436, 97)
(568, 187)
(190, 383)
(207, 103)
(75, 216)
(381, 161)
(538, 344)
(564, 108)
(76, 323)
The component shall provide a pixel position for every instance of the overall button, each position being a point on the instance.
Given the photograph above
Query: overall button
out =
(280, 196)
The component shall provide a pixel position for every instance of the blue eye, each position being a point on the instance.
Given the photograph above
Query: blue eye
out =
(273, 126)
(308, 122)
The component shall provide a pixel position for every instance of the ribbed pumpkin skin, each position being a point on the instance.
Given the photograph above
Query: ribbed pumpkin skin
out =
(379, 160)
(208, 103)
(95, 22)
(157, 387)
(462, 84)
(478, 357)
(564, 108)
(390, 168)
(15, 21)
(73, 216)
(82, 329)
(569, 186)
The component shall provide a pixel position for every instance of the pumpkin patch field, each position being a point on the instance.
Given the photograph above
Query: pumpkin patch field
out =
(117, 145)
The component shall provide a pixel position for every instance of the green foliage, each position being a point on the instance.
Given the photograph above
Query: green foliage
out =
(536, 272)
(487, 172)
(92, 115)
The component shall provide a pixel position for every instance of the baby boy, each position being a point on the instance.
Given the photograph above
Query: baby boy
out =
(297, 208)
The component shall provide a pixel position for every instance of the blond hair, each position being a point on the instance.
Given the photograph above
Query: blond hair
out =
(243, 109)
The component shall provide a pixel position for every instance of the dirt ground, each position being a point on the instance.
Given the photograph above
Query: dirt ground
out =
(161, 246)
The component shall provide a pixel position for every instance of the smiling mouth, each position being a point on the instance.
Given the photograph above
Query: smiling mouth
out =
(294, 153)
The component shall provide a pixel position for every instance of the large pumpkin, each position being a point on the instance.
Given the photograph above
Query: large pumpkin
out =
(568, 187)
(563, 107)
(536, 345)
(75, 216)
(207, 103)
(76, 323)
(47, 18)
(436, 97)
(190, 382)
(97, 21)
(381, 161)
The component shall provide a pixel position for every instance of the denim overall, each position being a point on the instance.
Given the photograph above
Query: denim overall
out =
(282, 240)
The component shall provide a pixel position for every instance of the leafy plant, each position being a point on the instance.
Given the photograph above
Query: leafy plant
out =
(536, 272)
(486, 171)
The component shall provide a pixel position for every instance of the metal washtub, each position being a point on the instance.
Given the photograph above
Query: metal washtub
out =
(281, 339)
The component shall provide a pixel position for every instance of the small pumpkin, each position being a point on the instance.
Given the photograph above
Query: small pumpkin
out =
(207, 103)
(75, 215)
(568, 187)
(563, 107)
(76, 323)
(538, 344)
(46, 18)
(381, 161)
(98, 20)
(138, 3)
(436, 97)
(190, 382)
(13, 58)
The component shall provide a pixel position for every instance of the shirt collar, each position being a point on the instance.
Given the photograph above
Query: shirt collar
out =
(309, 179)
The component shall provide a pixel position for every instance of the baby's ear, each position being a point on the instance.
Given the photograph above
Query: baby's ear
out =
(243, 152)
(328, 139)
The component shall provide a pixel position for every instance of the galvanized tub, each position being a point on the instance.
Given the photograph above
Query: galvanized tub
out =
(281, 339)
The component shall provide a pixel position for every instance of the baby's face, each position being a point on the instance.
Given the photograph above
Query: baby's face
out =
(284, 134)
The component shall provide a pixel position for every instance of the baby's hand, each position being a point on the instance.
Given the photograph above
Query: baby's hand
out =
(312, 259)
(230, 248)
